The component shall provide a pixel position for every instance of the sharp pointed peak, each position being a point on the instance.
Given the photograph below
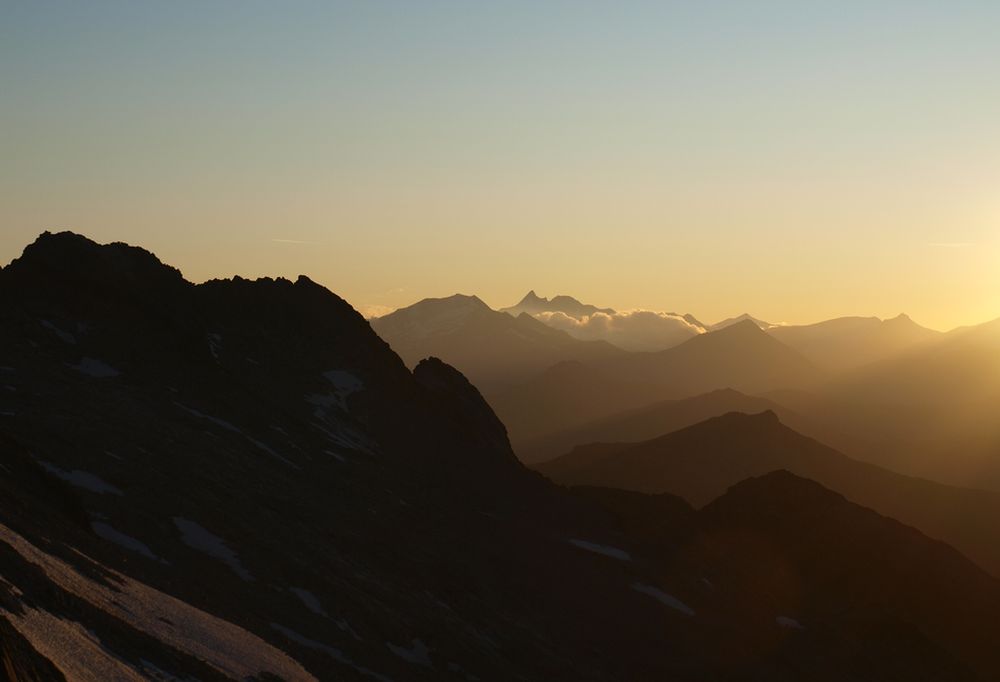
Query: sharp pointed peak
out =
(746, 327)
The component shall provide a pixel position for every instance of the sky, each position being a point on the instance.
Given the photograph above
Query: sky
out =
(799, 160)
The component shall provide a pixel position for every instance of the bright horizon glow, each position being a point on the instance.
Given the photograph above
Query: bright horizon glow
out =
(795, 160)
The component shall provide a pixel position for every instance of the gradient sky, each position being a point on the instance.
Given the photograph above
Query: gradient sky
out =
(800, 160)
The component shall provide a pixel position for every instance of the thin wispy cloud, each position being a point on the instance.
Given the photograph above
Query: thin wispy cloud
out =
(293, 241)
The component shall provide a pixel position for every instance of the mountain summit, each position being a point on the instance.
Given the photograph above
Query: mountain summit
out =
(534, 304)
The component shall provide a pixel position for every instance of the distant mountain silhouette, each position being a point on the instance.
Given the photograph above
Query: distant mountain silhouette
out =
(533, 304)
(929, 410)
(700, 462)
(740, 356)
(849, 342)
(645, 422)
(573, 395)
(492, 348)
(745, 317)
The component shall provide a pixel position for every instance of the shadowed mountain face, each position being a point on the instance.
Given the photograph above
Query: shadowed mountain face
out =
(701, 462)
(787, 542)
(850, 342)
(240, 480)
(492, 348)
(799, 548)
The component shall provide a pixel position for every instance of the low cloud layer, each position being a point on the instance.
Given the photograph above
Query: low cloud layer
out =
(636, 330)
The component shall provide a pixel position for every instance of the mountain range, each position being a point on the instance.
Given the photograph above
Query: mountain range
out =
(886, 391)
(240, 480)
(839, 344)
(493, 349)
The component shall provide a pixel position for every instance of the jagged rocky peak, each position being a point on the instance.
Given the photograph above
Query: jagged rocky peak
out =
(72, 266)
(465, 406)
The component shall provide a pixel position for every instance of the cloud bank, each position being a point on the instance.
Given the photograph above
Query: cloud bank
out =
(636, 330)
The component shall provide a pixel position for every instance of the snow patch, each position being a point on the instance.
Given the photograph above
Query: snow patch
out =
(418, 654)
(82, 479)
(664, 598)
(95, 368)
(114, 535)
(228, 648)
(65, 337)
(196, 537)
(335, 455)
(612, 552)
(344, 383)
(222, 423)
(344, 437)
(214, 344)
(309, 600)
(334, 653)
(790, 623)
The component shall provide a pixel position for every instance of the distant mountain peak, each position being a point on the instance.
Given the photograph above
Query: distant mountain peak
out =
(534, 304)
(744, 328)
(744, 317)
(778, 487)
(454, 302)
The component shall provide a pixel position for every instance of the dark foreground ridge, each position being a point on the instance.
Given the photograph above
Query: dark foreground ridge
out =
(240, 480)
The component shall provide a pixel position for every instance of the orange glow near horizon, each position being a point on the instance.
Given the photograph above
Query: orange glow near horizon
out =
(794, 162)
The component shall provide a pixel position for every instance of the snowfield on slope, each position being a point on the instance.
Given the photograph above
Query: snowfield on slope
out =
(228, 648)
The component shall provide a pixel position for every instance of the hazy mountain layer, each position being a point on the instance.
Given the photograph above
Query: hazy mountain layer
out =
(850, 342)
(700, 462)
